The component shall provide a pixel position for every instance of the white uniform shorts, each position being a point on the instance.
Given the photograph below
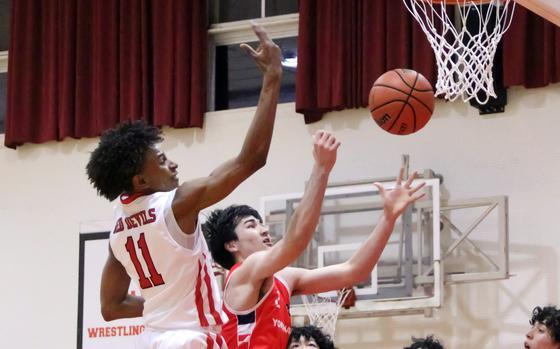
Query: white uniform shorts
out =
(180, 339)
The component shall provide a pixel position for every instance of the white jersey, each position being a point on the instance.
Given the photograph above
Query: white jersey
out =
(173, 270)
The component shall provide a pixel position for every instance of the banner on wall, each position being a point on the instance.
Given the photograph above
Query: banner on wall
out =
(93, 331)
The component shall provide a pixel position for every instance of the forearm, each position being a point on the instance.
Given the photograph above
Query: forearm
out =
(130, 307)
(257, 142)
(366, 257)
(306, 216)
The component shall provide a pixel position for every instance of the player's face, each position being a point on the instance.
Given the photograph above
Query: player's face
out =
(538, 337)
(159, 172)
(252, 236)
(303, 343)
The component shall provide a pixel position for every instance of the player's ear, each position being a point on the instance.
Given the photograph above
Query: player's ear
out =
(139, 183)
(232, 246)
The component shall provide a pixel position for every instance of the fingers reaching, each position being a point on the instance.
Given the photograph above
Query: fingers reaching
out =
(263, 40)
(327, 139)
(260, 32)
(415, 197)
(410, 179)
(248, 49)
(400, 177)
(380, 187)
(416, 188)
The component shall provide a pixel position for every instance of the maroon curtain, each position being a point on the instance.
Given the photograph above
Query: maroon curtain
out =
(79, 67)
(531, 51)
(345, 45)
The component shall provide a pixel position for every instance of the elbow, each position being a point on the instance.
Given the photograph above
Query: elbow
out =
(259, 162)
(356, 275)
(107, 313)
(252, 164)
(256, 164)
(258, 157)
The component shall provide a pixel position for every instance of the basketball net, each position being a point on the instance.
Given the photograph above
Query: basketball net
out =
(464, 58)
(323, 311)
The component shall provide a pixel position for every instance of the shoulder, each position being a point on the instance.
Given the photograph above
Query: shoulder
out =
(290, 275)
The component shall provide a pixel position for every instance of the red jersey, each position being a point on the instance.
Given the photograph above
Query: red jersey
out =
(266, 325)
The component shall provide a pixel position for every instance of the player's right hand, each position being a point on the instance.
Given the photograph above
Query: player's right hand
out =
(267, 56)
(325, 146)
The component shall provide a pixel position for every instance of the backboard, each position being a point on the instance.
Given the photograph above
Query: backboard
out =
(548, 9)
(348, 216)
(437, 241)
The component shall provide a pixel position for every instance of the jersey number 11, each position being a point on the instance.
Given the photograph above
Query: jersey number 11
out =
(155, 278)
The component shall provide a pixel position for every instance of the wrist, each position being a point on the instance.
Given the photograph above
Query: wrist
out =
(388, 218)
(273, 74)
(322, 169)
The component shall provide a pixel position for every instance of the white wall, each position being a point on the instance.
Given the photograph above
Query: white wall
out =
(45, 197)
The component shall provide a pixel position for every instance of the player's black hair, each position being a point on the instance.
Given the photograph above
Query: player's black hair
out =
(119, 156)
(550, 317)
(425, 343)
(219, 229)
(323, 340)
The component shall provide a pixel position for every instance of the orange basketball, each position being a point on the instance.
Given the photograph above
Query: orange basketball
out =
(401, 101)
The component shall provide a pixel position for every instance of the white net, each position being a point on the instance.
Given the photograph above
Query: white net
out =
(323, 310)
(464, 44)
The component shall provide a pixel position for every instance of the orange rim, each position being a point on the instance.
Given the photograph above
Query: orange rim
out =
(459, 2)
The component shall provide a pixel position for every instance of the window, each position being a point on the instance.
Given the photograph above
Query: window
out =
(235, 81)
(238, 10)
(238, 80)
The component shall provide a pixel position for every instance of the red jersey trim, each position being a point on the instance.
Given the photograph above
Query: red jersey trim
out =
(128, 199)
(210, 294)
(198, 298)
(244, 312)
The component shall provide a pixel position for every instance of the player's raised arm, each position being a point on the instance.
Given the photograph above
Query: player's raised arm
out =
(304, 221)
(195, 195)
(359, 266)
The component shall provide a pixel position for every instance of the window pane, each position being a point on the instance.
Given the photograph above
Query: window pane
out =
(3, 90)
(234, 10)
(238, 80)
(4, 24)
(280, 7)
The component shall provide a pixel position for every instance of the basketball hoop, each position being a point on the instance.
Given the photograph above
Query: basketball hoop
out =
(464, 57)
(323, 310)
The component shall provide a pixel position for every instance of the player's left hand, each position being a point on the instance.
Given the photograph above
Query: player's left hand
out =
(396, 200)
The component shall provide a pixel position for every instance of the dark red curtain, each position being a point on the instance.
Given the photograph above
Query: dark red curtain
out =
(345, 45)
(79, 67)
(531, 51)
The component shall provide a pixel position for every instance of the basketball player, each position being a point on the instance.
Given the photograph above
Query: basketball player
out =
(309, 337)
(157, 239)
(545, 329)
(425, 343)
(260, 283)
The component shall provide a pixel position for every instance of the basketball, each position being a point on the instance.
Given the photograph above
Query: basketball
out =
(401, 101)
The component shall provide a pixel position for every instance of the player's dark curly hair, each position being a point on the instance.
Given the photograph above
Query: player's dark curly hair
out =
(550, 317)
(119, 156)
(425, 343)
(324, 341)
(219, 229)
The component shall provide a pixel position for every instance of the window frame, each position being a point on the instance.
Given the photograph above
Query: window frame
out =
(3, 61)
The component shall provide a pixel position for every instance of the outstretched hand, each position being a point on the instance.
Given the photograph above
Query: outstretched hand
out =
(396, 200)
(267, 56)
(325, 146)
